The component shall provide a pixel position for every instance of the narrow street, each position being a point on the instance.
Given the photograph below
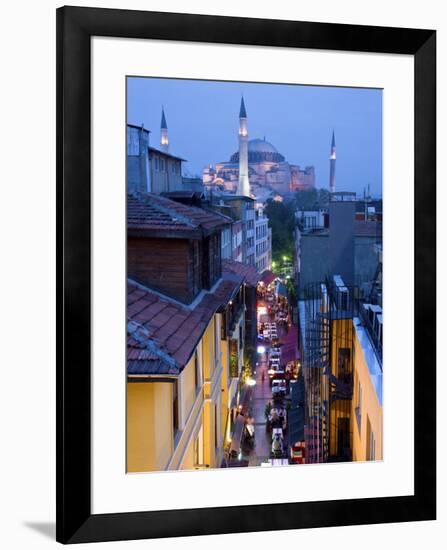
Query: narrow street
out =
(261, 393)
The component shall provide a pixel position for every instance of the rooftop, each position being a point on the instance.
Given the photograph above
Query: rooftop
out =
(164, 154)
(361, 229)
(141, 127)
(150, 212)
(163, 333)
(247, 272)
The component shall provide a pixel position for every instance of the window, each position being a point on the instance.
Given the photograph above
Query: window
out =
(175, 416)
(156, 163)
(196, 451)
(358, 407)
(215, 426)
(197, 376)
(344, 364)
(372, 447)
(216, 342)
(343, 439)
(371, 442)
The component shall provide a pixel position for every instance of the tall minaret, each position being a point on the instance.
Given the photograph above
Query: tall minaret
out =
(332, 159)
(243, 187)
(164, 139)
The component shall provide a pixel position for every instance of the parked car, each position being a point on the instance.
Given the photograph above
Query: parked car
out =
(279, 387)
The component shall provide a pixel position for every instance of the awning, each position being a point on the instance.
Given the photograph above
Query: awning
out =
(268, 277)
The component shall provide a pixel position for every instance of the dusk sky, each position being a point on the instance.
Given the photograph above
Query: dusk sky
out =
(202, 119)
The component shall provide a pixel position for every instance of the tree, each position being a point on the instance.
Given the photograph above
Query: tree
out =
(312, 199)
(323, 198)
(306, 200)
(282, 221)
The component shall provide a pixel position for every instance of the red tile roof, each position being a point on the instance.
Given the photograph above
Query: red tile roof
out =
(153, 212)
(162, 333)
(247, 272)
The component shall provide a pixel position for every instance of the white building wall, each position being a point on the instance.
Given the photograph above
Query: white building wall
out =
(262, 244)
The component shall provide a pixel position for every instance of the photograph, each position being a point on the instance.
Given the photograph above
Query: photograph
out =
(254, 274)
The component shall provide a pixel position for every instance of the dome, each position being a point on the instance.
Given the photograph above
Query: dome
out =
(260, 146)
(260, 150)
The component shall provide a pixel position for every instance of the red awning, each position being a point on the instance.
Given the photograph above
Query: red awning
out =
(268, 277)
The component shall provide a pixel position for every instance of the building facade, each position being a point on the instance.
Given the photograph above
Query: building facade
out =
(186, 335)
(336, 242)
(262, 242)
(341, 359)
(242, 209)
(138, 162)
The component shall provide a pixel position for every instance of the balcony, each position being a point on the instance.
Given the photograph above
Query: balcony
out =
(371, 318)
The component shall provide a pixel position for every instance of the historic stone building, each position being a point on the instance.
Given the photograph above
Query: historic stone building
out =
(260, 163)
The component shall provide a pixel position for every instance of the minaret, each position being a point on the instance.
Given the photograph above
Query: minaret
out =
(164, 139)
(243, 187)
(332, 159)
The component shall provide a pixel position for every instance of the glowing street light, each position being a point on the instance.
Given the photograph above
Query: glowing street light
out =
(251, 382)
(261, 349)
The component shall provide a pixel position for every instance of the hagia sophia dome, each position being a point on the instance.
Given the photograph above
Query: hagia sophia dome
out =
(260, 150)
(257, 169)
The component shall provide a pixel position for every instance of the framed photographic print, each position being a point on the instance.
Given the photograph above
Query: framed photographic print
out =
(246, 274)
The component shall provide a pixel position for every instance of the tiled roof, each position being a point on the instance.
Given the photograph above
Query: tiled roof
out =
(249, 273)
(153, 212)
(162, 333)
(367, 229)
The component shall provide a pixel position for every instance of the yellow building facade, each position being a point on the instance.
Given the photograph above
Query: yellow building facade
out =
(367, 412)
(356, 416)
(175, 423)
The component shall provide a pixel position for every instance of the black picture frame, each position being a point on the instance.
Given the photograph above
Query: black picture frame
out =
(75, 27)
